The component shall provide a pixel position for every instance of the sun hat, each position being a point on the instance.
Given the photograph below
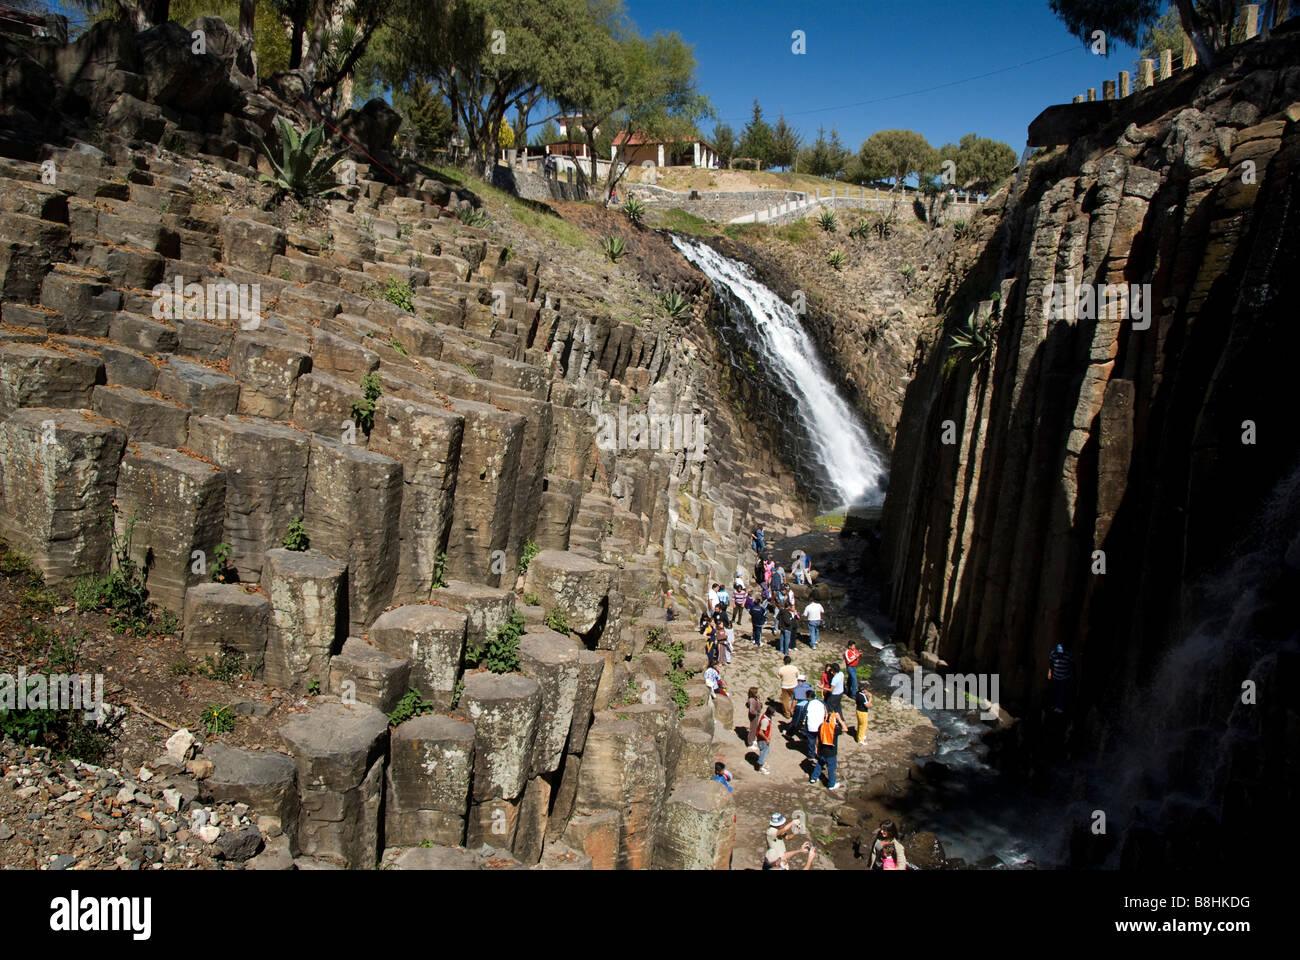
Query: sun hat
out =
(776, 820)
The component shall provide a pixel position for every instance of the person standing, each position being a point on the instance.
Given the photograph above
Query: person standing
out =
(778, 579)
(802, 697)
(836, 693)
(785, 628)
(788, 674)
(852, 656)
(812, 727)
(754, 707)
(758, 542)
(862, 699)
(669, 614)
(713, 596)
(813, 614)
(1060, 672)
(758, 615)
(764, 739)
(828, 735)
(739, 596)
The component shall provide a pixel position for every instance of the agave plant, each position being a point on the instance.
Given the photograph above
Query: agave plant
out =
(959, 229)
(634, 209)
(675, 305)
(827, 221)
(297, 168)
(859, 230)
(614, 248)
(836, 259)
(473, 218)
(972, 342)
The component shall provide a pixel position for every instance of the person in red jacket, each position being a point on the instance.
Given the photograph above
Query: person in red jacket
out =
(852, 656)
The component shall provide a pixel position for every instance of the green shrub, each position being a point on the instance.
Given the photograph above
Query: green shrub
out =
(836, 260)
(217, 719)
(440, 571)
(614, 248)
(297, 167)
(532, 599)
(363, 410)
(675, 305)
(222, 572)
(313, 687)
(411, 705)
(227, 666)
(501, 652)
(530, 550)
(959, 228)
(122, 593)
(678, 679)
(558, 621)
(296, 539)
(828, 221)
(399, 293)
(634, 209)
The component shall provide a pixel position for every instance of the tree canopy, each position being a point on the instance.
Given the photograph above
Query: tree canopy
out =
(981, 163)
(896, 155)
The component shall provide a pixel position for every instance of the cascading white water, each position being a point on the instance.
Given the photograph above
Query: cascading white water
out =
(850, 468)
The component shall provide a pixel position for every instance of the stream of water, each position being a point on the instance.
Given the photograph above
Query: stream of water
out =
(833, 455)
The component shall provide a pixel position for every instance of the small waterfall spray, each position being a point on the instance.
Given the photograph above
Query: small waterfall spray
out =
(833, 454)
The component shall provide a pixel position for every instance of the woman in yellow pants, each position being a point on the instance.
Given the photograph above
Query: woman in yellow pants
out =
(863, 701)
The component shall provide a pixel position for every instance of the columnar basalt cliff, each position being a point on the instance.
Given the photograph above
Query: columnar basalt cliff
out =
(1078, 482)
(123, 388)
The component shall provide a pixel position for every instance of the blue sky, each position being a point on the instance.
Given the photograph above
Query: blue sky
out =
(872, 49)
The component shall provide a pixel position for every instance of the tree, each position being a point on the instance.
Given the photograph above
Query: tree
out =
(724, 142)
(1208, 23)
(837, 155)
(550, 133)
(428, 115)
(816, 159)
(981, 163)
(1164, 34)
(785, 143)
(756, 139)
(897, 154)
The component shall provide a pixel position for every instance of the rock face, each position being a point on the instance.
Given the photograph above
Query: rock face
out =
(699, 828)
(570, 583)
(1073, 486)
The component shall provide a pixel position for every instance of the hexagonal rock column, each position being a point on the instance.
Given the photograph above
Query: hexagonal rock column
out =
(179, 506)
(431, 759)
(263, 779)
(661, 722)
(226, 615)
(432, 638)
(597, 835)
(591, 665)
(552, 661)
(35, 376)
(426, 441)
(485, 489)
(308, 617)
(338, 752)
(695, 762)
(621, 771)
(58, 471)
(503, 707)
(360, 671)
(351, 507)
(266, 475)
(429, 858)
(575, 584)
(486, 609)
(494, 822)
(534, 810)
(699, 828)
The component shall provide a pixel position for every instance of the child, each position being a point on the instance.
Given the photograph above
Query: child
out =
(722, 775)
(669, 614)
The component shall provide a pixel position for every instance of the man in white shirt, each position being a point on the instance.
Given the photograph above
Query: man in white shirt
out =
(713, 597)
(813, 614)
(816, 714)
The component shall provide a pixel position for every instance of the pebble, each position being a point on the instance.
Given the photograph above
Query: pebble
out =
(148, 828)
(173, 799)
(6, 831)
(144, 775)
(209, 834)
(62, 861)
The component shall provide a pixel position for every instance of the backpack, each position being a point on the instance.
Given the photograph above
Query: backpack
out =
(826, 732)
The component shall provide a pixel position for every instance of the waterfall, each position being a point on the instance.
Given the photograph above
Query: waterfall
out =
(830, 450)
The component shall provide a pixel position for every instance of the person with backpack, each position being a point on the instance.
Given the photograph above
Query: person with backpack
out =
(828, 734)
(764, 739)
(754, 708)
(812, 728)
(852, 657)
(887, 852)
(785, 629)
(798, 718)
(724, 597)
(862, 699)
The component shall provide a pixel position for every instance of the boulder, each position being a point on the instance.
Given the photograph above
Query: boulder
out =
(263, 779)
(360, 671)
(219, 615)
(699, 828)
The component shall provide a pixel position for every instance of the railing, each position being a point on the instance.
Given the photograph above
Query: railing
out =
(839, 198)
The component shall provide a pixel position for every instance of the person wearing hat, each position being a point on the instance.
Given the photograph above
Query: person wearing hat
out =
(777, 828)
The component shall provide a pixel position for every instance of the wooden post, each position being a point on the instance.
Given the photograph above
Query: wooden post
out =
(1108, 89)
(1124, 88)
(1078, 98)
(1252, 20)
(1092, 94)
(1146, 73)
(1189, 57)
